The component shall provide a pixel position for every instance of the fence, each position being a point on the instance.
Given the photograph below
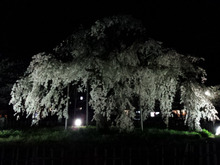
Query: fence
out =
(86, 154)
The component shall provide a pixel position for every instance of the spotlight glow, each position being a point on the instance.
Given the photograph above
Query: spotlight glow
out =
(217, 131)
(78, 122)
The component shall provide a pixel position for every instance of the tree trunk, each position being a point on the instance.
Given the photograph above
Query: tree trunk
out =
(87, 105)
(102, 124)
(67, 105)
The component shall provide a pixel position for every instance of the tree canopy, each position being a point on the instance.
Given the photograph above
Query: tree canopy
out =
(122, 67)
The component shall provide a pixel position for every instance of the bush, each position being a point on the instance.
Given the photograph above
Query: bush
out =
(8, 133)
(205, 133)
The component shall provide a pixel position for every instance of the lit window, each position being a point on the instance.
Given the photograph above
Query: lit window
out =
(152, 114)
(126, 111)
(183, 112)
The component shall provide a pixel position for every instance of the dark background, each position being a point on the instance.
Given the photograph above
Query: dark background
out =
(28, 27)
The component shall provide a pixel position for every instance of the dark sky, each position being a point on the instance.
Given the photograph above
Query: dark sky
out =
(29, 27)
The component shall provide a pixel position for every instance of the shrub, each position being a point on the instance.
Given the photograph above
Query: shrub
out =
(205, 133)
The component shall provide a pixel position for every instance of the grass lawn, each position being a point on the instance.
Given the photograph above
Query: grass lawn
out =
(59, 136)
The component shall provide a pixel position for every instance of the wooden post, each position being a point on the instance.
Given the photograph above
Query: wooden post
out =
(142, 125)
(141, 113)
(51, 156)
(75, 101)
(215, 157)
(2, 155)
(207, 154)
(44, 155)
(87, 104)
(62, 156)
(17, 155)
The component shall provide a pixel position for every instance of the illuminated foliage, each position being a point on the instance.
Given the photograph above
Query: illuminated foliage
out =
(121, 66)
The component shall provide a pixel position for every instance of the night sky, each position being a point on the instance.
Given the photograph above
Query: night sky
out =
(192, 28)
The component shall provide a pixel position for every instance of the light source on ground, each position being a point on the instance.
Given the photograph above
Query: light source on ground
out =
(217, 131)
(78, 122)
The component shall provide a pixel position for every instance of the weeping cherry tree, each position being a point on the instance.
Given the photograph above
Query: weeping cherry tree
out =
(121, 66)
